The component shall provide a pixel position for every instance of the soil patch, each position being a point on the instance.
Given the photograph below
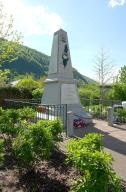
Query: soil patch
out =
(53, 175)
(48, 176)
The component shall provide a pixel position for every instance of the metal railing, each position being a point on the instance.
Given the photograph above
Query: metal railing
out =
(97, 108)
(45, 112)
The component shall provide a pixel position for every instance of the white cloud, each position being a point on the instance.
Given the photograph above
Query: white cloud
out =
(33, 20)
(113, 3)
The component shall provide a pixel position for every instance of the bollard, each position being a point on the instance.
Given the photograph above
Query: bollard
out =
(110, 116)
(70, 130)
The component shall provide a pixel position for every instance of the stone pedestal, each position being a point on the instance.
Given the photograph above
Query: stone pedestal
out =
(79, 132)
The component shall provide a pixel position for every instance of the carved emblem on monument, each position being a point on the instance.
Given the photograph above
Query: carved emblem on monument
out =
(63, 39)
(65, 55)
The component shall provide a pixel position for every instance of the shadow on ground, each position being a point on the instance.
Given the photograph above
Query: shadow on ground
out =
(40, 181)
(110, 142)
(52, 175)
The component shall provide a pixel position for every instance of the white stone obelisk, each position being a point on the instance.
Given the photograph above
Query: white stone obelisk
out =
(60, 87)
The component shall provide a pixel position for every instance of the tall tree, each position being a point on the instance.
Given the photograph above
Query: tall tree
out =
(104, 71)
(9, 37)
(122, 75)
(119, 88)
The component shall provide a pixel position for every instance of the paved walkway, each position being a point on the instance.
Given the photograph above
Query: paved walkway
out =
(114, 142)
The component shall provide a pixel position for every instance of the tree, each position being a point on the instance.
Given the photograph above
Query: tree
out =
(104, 71)
(119, 88)
(122, 75)
(3, 77)
(9, 38)
(28, 82)
(119, 91)
(88, 92)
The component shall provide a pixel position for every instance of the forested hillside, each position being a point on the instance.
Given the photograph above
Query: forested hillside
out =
(34, 62)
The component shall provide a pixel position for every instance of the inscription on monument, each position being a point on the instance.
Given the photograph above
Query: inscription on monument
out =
(69, 94)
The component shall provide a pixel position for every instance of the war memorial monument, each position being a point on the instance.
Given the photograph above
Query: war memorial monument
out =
(60, 86)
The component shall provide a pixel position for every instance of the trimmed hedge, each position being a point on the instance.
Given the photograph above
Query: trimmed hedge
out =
(13, 93)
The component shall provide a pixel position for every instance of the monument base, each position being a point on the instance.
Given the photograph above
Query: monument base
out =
(79, 132)
(58, 92)
(79, 113)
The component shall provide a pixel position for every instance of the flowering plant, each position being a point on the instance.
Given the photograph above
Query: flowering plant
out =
(79, 123)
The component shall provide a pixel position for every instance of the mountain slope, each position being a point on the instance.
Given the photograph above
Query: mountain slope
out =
(32, 61)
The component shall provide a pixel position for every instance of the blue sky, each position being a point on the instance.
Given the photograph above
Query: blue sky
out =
(91, 25)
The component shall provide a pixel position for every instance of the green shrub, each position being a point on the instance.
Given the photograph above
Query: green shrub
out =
(8, 120)
(32, 143)
(42, 140)
(37, 93)
(13, 115)
(28, 82)
(87, 156)
(55, 127)
(2, 150)
(90, 142)
(22, 144)
(26, 113)
(88, 184)
(97, 110)
(13, 93)
(37, 140)
(121, 114)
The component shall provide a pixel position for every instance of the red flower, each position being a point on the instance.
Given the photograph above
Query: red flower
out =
(79, 123)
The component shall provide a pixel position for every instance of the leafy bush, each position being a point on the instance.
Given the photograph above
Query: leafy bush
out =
(13, 93)
(1, 111)
(55, 127)
(97, 110)
(13, 115)
(42, 140)
(121, 115)
(26, 113)
(22, 144)
(87, 156)
(1, 150)
(8, 119)
(37, 93)
(87, 184)
(27, 82)
(118, 92)
(32, 142)
(36, 141)
(89, 92)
